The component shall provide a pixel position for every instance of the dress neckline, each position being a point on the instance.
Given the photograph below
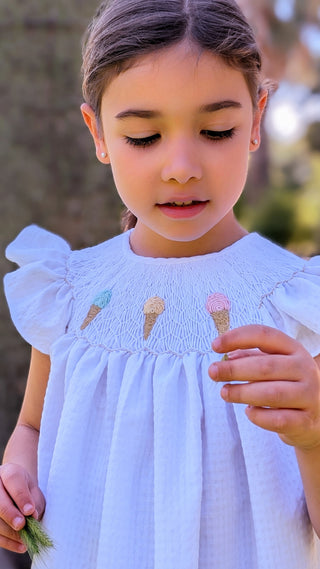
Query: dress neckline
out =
(231, 250)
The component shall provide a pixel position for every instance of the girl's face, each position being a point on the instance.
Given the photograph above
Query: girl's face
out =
(178, 127)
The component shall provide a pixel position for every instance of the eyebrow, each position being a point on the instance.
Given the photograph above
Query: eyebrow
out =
(219, 106)
(210, 108)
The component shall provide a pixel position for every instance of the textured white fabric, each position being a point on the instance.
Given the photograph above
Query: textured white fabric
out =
(143, 465)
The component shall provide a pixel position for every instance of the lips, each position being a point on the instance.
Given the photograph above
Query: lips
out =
(182, 209)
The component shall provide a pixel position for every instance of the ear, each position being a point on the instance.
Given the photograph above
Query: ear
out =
(90, 120)
(257, 118)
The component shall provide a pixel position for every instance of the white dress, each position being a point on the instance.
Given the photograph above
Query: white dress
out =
(142, 463)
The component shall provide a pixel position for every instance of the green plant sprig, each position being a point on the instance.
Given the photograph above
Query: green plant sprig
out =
(34, 537)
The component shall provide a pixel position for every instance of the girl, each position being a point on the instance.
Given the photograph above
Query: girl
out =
(144, 463)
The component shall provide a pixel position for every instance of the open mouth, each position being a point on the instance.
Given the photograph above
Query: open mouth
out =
(182, 204)
(182, 210)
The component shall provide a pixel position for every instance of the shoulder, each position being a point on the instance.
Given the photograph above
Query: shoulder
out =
(292, 294)
(269, 258)
(40, 293)
(282, 267)
(37, 245)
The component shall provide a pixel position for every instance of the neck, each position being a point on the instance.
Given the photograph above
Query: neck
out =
(146, 243)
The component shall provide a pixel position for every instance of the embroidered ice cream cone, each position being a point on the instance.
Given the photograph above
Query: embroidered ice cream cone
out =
(99, 302)
(218, 306)
(221, 320)
(149, 323)
(152, 309)
(93, 312)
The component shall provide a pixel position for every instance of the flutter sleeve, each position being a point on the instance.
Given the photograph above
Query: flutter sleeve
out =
(38, 293)
(294, 305)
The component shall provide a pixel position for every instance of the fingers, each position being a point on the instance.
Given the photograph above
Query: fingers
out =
(39, 501)
(19, 497)
(236, 354)
(275, 377)
(250, 349)
(282, 421)
(22, 490)
(258, 368)
(9, 513)
(277, 395)
(16, 497)
(10, 539)
(268, 340)
(10, 520)
(295, 427)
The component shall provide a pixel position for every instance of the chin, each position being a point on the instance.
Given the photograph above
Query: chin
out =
(185, 236)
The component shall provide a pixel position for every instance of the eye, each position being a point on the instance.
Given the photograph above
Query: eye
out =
(217, 135)
(142, 142)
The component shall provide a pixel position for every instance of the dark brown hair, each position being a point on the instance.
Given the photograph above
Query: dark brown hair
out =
(123, 30)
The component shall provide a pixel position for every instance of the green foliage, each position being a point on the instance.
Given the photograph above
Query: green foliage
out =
(276, 216)
(288, 210)
(34, 537)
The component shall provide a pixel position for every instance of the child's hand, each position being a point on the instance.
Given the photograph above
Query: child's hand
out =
(281, 382)
(19, 497)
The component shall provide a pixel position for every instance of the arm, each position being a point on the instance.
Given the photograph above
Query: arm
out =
(19, 492)
(281, 386)
(309, 464)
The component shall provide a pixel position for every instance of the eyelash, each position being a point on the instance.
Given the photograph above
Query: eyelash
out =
(217, 135)
(142, 142)
(212, 135)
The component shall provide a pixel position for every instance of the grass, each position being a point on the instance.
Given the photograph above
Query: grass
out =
(34, 537)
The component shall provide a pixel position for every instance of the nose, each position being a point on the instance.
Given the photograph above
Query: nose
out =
(181, 163)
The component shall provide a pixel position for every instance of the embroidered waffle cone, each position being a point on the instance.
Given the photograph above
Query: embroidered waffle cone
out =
(93, 311)
(153, 307)
(150, 320)
(222, 320)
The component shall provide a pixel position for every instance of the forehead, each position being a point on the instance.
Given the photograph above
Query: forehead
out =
(168, 77)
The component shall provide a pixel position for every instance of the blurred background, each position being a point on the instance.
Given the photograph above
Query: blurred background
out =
(50, 176)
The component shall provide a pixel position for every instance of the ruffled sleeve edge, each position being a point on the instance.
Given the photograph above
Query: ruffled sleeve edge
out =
(39, 293)
(294, 304)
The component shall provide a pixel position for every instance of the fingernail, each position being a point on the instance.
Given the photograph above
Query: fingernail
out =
(224, 393)
(216, 343)
(232, 355)
(28, 509)
(17, 522)
(22, 548)
(213, 371)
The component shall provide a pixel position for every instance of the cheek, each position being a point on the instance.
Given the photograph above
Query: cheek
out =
(231, 166)
(240, 156)
(121, 165)
(132, 168)
(230, 178)
(130, 180)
